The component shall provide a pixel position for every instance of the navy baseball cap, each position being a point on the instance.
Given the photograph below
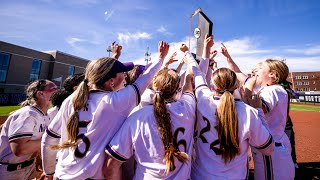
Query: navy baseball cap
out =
(116, 68)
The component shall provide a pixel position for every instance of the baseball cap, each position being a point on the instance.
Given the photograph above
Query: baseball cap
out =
(117, 67)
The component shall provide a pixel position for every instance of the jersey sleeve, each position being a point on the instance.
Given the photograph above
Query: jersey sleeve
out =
(121, 145)
(125, 99)
(23, 126)
(260, 136)
(270, 96)
(204, 64)
(52, 136)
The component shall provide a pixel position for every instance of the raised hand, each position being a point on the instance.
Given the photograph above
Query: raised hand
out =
(224, 51)
(213, 54)
(255, 101)
(116, 50)
(184, 48)
(208, 41)
(163, 48)
(213, 64)
(171, 59)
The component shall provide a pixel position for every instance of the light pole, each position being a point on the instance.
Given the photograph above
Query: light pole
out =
(147, 55)
(109, 50)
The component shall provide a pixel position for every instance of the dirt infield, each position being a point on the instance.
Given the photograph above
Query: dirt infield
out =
(307, 135)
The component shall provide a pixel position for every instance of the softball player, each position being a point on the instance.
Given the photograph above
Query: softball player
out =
(226, 127)
(89, 118)
(159, 136)
(278, 165)
(21, 133)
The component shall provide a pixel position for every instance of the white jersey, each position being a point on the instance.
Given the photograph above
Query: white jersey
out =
(104, 110)
(280, 164)
(146, 100)
(98, 122)
(28, 121)
(52, 112)
(139, 136)
(208, 162)
(275, 100)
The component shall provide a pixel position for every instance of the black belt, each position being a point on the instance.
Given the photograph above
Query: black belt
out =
(14, 167)
(277, 144)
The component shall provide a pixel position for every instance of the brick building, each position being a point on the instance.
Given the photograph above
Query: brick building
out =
(305, 81)
(20, 65)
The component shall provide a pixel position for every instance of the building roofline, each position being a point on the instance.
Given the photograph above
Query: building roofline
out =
(57, 51)
(304, 72)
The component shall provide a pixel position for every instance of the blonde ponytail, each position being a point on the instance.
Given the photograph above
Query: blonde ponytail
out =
(225, 81)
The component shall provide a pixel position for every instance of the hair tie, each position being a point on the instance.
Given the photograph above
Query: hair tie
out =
(285, 84)
(158, 92)
(85, 81)
(221, 92)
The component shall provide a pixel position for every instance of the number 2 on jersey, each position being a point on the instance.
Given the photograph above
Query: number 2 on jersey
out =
(204, 140)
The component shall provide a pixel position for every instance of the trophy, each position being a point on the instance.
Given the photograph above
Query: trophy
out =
(204, 27)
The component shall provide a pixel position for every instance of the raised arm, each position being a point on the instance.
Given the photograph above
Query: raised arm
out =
(143, 81)
(169, 60)
(232, 65)
(116, 50)
(207, 44)
(211, 68)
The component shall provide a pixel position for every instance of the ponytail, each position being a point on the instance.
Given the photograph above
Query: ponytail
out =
(79, 101)
(166, 83)
(228, 127)
(164, 126)
(225, 81)
(286, 85)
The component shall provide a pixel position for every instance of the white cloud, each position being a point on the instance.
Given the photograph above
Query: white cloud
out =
(163, 30)
(244, 46)
(126, 37)
(107, 15)
(313, 50)
(246, 52)
(73, 41)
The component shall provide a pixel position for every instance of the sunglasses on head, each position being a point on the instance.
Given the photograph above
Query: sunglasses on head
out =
(41, 84)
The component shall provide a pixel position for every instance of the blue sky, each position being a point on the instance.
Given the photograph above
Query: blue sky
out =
(252, 30)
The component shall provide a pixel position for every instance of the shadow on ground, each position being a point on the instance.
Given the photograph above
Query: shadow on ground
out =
(306, 171)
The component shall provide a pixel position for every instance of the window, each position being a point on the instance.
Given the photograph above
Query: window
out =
(306, 89)
(304, 77)
(35, 69)
(298, 77)
(4, 65)
(71, 71)
(305, 83)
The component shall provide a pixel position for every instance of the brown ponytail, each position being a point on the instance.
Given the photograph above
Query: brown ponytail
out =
(225, 81)
(95, 71)
(31, 92)
(165, 83)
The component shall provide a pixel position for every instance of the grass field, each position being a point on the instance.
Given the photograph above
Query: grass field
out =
(5, 110)
(303, 107)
